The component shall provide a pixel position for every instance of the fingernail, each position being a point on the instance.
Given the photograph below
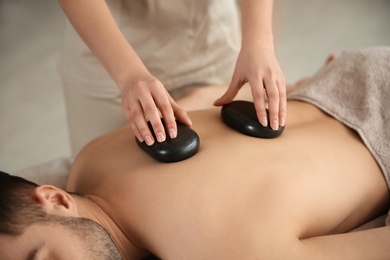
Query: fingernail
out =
(263, 121)
(172, 133)
(160, 137)
(139, 137)
(275, 125)
(282, 121)
(149, 141)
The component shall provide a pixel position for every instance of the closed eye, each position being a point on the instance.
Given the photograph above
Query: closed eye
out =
(32, 255)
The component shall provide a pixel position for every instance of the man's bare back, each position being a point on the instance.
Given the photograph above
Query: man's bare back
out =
(239, 197)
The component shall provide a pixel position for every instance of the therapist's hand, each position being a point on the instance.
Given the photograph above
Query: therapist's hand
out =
(145, 99)
(259, 67)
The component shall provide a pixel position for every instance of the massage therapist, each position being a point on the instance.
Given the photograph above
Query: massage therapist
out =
(155, 51)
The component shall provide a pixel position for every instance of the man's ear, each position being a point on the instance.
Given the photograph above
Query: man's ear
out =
(56, 201)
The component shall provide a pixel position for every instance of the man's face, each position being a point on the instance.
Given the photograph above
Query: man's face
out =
(42, 242)
(55, 241)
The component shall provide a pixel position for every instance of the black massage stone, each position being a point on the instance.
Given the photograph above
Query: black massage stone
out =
(241, 116)
(184, 146)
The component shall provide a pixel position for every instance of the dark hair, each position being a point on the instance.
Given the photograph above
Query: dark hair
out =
(18, 208)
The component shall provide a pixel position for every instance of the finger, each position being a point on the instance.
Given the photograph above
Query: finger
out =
(273, 102)
(136, 131)
(138, 123)
(126, 108)
(231, 92)
(180, 114)
(138, 117)
(152, 114)
(166, 111)
(282, 102)
(127, 111)
(257, 89)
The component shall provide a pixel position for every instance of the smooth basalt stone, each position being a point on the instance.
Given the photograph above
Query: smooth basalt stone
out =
(241, 116)
(182, 147)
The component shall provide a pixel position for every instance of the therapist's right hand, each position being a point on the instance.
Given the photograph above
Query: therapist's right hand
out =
(146, 99)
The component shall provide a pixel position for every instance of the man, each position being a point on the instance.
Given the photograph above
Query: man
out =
(239, 197)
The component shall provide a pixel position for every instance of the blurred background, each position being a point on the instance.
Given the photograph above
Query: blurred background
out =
(32, 114)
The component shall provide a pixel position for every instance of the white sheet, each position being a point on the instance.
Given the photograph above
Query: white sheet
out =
(53, 172)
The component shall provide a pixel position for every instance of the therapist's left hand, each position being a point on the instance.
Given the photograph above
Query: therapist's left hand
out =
(259, 67)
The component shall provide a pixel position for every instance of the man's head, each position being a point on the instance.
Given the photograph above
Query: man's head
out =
(39, 221)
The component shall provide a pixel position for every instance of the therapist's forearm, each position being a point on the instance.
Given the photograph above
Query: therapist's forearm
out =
(256, 23)
(95, 24)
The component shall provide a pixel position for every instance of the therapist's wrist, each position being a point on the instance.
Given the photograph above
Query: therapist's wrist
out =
(132, 75)
(261, 40)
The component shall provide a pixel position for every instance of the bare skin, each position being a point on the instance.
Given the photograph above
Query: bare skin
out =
(239, 197)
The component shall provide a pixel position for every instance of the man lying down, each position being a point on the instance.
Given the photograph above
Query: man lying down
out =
(239, 197)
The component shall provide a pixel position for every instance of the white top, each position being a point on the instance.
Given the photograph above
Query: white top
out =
(182, 43)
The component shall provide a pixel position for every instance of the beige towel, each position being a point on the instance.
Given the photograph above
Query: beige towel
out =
(355, 89)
